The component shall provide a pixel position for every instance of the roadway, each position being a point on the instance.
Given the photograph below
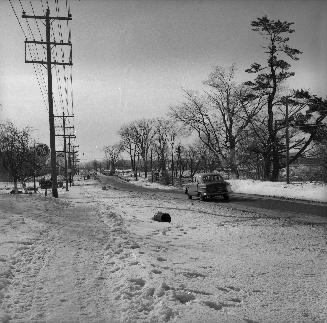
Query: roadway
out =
(238, 201)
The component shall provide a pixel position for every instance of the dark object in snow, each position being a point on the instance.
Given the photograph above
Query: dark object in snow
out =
(162, 217)
(18, 192)
(45, 183)
(104, 188)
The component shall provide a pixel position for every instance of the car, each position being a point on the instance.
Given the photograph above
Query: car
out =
(47, 183)
(208, 185)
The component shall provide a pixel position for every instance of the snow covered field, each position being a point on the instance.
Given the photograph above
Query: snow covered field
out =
(95, 255)
(311, 191)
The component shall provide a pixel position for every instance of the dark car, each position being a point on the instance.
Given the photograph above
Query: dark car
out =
(208, 185)
(47, 183)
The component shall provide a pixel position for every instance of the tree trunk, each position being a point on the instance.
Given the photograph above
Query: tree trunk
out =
(145, 165)
(276, 167)
(272, 142)
(232, 160)
(266, 166)
(15, 186)
(172, 168)
(275, 157)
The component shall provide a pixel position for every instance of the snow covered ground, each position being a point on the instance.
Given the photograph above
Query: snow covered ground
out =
(311, 191)
(96, 255)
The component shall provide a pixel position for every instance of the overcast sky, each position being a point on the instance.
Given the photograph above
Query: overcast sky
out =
(131, 58)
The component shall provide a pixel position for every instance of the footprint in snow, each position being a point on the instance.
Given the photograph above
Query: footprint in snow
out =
(234, 288)
(193, 275)
(114, 270)
(236, 299)
(161, 259)
(135, 246)
(184, 297)
(213, 305)
(134, 263)
(137, 281)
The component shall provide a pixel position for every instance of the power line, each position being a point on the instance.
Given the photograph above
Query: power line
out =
(20, 25)
(34, 67)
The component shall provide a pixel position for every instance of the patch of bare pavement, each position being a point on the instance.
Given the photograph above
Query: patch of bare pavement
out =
(95, 255)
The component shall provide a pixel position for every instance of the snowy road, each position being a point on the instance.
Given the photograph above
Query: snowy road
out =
(239, 201)
(96, 256)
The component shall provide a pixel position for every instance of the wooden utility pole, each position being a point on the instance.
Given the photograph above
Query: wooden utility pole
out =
(179, 164)
(172, 164)
(64, 135)
(65, 150)
(287, 146)
(51, 118)
(69, 170)
(48, 64)
(74, 159)
(34, 169)
(151, 163)
(69, 162)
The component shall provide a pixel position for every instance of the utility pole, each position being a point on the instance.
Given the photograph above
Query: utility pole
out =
(63, 116)
(69, 153)
(179, 164)
(287, 146)
(69, 162)
(34, 169)
(172, 163)
(73, 168)
(65, 151)
(151, 163)
(48, 64)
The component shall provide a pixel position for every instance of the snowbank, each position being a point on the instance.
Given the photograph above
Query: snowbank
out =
(311, 191)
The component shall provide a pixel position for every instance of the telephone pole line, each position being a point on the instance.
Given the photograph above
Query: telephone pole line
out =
(64, 127)
(48, 64)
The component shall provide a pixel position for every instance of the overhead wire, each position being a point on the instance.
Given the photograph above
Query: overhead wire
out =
(61, 70)
(33, 49)
(44, 50)
(64, 74)
(25, 36)
(42, 6)
(58, 69)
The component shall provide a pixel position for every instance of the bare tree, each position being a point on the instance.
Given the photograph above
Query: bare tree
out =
(221, 116)
(234, 106)
(143, 132)
(112, 153)
(196, 114)
(128, 144)
(167, 132)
